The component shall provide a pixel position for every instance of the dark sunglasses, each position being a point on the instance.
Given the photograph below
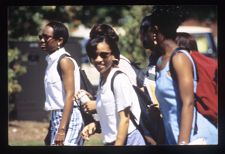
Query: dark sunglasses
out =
(45, 37)
(103, 55)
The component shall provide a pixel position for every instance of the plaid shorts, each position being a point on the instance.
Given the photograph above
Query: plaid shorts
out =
(73, 133)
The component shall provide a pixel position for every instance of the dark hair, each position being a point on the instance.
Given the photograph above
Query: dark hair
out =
(60, 30)
(186, 40)
(100, 33)
(166, 17)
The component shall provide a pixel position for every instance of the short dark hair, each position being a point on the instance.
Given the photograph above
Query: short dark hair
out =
(60, 30)
(186, 40)
(100, 33)
(166, 17)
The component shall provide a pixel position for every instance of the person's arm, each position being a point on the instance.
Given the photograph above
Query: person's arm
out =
(67, 68)
(89, 130)
(90, 106)
(183, 69)
(124, 116)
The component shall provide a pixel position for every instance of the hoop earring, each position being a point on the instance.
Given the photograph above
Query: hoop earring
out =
(155, 39)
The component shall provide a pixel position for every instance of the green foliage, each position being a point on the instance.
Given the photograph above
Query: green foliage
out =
(15, 69)
(130, 44)
(109, 14)
(23, 21)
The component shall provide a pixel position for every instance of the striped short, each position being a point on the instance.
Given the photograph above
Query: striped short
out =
(73, 133)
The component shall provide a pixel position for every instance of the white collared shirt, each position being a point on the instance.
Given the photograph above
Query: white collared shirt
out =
(54, 90)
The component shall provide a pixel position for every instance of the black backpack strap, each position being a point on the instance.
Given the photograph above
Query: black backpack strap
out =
(113, 78)
(171, 68)
(132, 117)
(58, 65)
(112, 81)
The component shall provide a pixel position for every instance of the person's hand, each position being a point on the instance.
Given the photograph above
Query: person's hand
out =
(59, 138)
(90, 107)
(82, 90)
(88, 130)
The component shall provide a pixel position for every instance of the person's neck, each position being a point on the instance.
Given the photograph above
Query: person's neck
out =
(169, 46)
(53, 51)
(105, 75)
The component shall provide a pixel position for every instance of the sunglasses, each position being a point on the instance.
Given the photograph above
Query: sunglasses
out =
(103, 55)
(45, 37)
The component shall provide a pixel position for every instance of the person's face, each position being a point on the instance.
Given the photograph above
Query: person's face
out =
(103, 58)
(147, 39)
(47, 41)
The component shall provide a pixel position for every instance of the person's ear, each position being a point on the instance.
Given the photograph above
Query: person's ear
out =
(155, 29)
(115, 60)
(60, 41)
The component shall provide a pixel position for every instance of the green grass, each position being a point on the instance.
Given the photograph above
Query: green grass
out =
(95, 140)
(26, 143)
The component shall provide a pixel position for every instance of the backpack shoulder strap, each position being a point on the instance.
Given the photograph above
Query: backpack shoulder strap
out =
(132, 117)
(113, 78)
(58, 66)
(171, 68)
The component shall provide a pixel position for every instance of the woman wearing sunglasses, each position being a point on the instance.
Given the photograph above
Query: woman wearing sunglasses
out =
(66, 120)
(113, 108)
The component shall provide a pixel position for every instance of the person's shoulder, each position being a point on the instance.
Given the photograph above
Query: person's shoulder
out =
(180, 55)
(121, 78)
(66, 63)
(181, 61)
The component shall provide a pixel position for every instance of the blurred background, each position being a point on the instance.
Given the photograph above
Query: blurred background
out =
(28, 122)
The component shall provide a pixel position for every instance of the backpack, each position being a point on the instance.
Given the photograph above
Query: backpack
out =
(84, 84)
(151, 123)
(138, 71)
(206, 96)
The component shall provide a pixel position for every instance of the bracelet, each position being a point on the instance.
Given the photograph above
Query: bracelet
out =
(61, 133)
(61, 129)
(182, 143)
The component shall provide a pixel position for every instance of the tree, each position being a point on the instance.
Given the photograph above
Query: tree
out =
(109, 14)
(130, 43)
(15, 69)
